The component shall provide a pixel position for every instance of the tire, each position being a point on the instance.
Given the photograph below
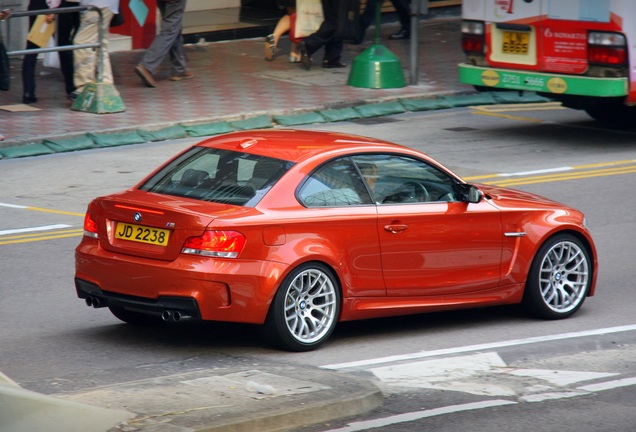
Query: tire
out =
(305, 309)
(136, 318)
(559, 278)
(614, 116)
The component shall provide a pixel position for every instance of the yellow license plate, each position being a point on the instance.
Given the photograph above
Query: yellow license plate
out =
(515, 42)
(142, 234)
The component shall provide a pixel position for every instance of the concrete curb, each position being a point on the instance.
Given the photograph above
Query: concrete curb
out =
(270, 399)
(259, 121)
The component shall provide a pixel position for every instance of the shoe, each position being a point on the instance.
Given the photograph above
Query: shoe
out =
(402, 34)
(270, 47)
(305, 60)
(333, 64)
(28, 98)
(73, 95)
(293, 59)
(145, 75)
(178, 77)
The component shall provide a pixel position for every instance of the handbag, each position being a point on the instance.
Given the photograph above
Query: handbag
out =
(309, 17)
(117, 20)
(349, 26)
(5, 72)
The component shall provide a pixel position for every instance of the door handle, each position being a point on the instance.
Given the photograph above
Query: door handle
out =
(395, 228)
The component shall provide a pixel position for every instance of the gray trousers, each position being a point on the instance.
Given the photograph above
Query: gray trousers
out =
(169, 41)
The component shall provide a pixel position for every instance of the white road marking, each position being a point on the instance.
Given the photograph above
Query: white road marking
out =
(34, 229)
(535, 172)
(12, 206)
(542, 397)
(418, 415)
(484, 374)
(609, 385)
(480, 347)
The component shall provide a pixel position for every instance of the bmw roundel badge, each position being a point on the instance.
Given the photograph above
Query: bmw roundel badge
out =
(137, 217)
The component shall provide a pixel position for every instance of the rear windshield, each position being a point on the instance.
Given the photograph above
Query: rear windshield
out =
(221, 176)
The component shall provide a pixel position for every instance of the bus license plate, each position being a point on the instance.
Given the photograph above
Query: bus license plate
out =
(142, 234)
(515, 42)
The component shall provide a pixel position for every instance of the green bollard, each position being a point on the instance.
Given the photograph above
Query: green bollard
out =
(377, 66)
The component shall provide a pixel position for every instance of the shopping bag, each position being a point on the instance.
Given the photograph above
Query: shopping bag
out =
(309, 16)
(41, 31)
(51, 59)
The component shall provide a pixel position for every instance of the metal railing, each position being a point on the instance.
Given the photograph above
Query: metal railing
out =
(99, 44)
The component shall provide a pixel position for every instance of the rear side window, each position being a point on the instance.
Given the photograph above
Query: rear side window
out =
(221, 176)
(334, 184)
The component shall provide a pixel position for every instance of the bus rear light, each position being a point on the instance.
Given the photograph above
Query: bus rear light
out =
(473, 37)
(606, 49)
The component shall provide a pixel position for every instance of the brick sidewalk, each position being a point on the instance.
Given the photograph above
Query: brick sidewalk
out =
(232, 81)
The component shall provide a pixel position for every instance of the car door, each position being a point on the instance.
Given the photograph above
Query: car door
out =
(432, 243)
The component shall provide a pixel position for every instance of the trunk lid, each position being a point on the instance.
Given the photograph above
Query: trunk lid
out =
(153, 226)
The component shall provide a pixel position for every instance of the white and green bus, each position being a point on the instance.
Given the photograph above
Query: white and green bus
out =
(579, 52)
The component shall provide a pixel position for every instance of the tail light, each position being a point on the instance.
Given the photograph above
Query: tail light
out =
(473, 37)
(606, 49)
(90, 226)
(222, 244)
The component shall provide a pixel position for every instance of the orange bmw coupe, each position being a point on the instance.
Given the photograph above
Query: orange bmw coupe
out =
(298, 230)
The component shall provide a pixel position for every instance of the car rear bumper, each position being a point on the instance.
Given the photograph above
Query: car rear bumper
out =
(205, 288)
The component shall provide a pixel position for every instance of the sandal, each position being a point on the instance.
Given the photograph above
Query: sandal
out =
(270, 47)
(294, 56)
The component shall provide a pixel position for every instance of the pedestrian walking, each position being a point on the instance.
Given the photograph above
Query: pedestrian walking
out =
(326, 36)
(403, 9)
(85, 59)
(29, 61)
(285, 25)
(67, 25)
(169, 42)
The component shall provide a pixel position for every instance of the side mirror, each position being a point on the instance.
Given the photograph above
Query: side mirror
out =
(469, 193)
(474, 195)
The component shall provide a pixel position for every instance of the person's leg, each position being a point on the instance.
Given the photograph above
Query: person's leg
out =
(29, 61)
(403, 9)
(282, 27)
(271, 41)
(67, 24)
(333, 45)
(368, 15)
(169, 39)
(28, 75)
(294, 52)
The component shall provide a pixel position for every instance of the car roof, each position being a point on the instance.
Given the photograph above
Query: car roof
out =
(296, 145)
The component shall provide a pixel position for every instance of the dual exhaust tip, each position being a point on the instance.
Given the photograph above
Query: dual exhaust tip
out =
(95, 302)
(175, 316)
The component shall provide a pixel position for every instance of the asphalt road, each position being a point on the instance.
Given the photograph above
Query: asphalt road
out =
(51, 342)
